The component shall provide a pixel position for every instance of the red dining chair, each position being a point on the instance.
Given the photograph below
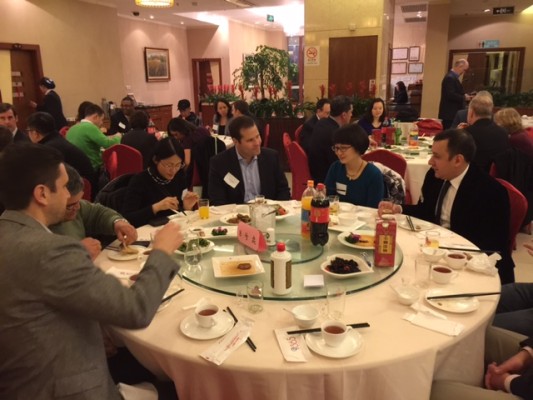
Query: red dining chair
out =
(121, 159)
(87, 190)
(530, 131)
(266, 135)
(297, 133)
(286, 143)
(299, 169)
(63, 131)
(392, 160)
(519, 205)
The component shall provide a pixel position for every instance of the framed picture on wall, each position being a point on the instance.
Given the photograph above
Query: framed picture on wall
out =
(414, 53)
(399, 68)
(416, 68)
(399, 53)
(156, 64)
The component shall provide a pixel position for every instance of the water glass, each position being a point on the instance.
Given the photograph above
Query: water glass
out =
(333, 204)
(193, 256)
(254, 291)
(422, 271)
(336, 299)
(432, 239)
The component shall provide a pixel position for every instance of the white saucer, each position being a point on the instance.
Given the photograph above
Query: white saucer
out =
(459, 305)
(351, 345)
(190, 328)
(118, 256)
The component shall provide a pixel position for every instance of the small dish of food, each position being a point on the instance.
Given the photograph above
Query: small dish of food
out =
(344, 266)
(235, 218)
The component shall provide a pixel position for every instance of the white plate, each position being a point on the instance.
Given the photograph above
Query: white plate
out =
(225, 218)
(190, 328)
(226, 267)
(361, 246)
(118, 256)
(205, 249)
(459, 305)
(419, 224)
(351, 345)
(363, 266)
(276, 202)
(335, 226)
(207, 232)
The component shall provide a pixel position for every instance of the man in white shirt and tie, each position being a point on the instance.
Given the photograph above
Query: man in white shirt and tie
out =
(475, 206)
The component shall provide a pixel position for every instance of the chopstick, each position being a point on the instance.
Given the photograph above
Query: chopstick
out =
(171, 295)
(315, 330)
(468, 249)
(410, 222)
(453, 296)
(249, 341)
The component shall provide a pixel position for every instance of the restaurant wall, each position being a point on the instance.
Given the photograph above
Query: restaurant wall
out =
(134, 36)
(511, 31)
(332, 19)
(79, 45)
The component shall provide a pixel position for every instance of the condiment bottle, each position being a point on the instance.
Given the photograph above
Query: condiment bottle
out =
(281, 270)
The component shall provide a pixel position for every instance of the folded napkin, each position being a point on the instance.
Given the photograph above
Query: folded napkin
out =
(221, 350)
(221, 210)
(449, 328)
(484, 264)
(292, 347)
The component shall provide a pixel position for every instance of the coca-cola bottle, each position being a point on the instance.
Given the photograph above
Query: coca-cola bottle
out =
(319, 218)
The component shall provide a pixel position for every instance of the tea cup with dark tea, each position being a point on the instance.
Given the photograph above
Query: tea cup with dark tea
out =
(334, 332)
(456, 260)
(205, 315)
(442, 274)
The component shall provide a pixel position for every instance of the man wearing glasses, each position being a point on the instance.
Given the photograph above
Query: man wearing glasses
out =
(83, 219)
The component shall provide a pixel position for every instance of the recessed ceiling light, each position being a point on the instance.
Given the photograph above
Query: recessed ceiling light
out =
(151, 17)
(486, 10)
(154, 3)
(182, 23)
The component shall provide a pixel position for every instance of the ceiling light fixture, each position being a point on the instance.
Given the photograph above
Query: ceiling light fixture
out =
(486, 10)
(241, 3)
(155, 3)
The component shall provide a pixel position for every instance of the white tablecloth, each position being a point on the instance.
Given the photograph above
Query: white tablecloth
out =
(417, 167)
(398, 360)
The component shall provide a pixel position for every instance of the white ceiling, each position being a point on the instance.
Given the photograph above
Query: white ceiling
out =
(198, 13)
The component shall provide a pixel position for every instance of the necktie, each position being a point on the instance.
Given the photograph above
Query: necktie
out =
(444, 188)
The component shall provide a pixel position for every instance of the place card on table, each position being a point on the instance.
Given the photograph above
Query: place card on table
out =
(251, 237)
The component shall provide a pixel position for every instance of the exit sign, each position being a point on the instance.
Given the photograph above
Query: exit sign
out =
(270, 18)
(502, 10)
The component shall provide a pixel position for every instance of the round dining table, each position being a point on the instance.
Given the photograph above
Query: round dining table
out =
(397, 360)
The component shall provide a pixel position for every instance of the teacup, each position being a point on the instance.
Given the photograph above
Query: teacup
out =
(334, 332)
(456, 260)
(442, 274)
(205, 315)
(346, 219)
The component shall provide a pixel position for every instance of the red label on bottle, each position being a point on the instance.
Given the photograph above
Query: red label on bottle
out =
(319, 215)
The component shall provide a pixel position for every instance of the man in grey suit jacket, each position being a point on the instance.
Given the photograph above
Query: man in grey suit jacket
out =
(239, 174)
(52, 297)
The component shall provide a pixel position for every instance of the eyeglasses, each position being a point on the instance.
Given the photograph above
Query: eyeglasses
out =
(341, 149)
(176, 166)
(73, 206)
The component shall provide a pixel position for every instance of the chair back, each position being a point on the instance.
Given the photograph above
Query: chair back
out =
(297, 133)
(530, 131)
(299, 169)
(121, 159)
(286, 143)
(112, 195)
(87, 190)
(519, 206)
(392, 160)
(266, 135)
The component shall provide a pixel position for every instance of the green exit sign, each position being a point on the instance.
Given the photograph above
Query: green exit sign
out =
(270, 18)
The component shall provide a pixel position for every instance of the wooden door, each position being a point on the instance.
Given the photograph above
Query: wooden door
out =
(475, 78)
(205, 71)
(352, 64)
(26, 70)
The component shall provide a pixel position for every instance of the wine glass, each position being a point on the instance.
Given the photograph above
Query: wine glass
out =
(193, 256)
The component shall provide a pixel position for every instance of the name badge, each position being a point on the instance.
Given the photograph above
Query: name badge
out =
(121, 125)
(341, 189)
(231, 180)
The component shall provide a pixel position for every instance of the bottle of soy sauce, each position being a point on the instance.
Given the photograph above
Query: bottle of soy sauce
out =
(319, 217)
